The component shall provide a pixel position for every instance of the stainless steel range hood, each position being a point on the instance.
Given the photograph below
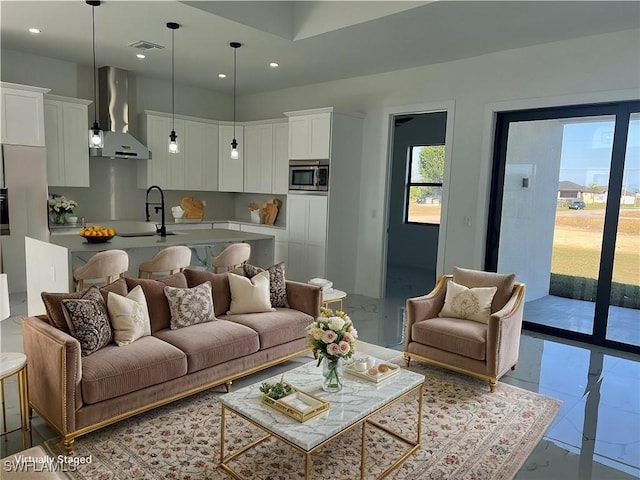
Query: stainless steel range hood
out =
(114, 116)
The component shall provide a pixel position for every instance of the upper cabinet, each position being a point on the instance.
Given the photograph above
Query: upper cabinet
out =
(66, 128)
(194, 167)
(22, 114)
(230, 170)
(310, 134)
(266, 162)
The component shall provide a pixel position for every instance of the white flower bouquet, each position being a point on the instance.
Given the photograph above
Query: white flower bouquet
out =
(62, 206)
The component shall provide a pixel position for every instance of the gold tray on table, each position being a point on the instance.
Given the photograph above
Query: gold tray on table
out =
(299, 405)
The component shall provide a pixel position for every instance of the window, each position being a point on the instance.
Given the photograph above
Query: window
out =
(423, 197)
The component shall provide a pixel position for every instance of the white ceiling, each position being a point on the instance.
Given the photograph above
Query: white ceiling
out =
(314, 41)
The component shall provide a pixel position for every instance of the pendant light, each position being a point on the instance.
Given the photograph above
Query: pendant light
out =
(234, 142)
(96, 135)
(173, 138)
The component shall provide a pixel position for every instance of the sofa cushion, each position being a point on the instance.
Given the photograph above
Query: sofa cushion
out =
(114, 371)
(275, 328)
(468, 303)
(190, 306)
(277, 283)
(88, 321)
(475, 278)
(129, 316)
(212, 343)
(53, 302)
(219, 287)
(463, 337)
(159, 312)
(249, 295)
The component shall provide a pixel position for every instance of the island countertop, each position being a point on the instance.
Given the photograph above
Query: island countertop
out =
(76, 243)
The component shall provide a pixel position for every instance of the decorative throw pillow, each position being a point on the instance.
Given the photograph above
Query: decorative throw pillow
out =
(129, 316)
(277, 283)
(88, 321)
(190, 306)
(468, 303)
(250, 295)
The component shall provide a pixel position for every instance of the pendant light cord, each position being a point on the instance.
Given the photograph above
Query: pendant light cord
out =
(235, 51)
(95, 76)
(173, 81)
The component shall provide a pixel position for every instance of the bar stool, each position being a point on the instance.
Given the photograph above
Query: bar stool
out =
(108, 264)
(170, 259)
(232, 257)
(16, 364)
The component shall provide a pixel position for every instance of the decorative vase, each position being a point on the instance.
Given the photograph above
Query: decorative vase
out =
(59, 218)
(332, 374)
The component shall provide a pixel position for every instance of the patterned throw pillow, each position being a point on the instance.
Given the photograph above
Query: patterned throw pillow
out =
(468, 303)
(277, 283)
(129, 316)
(88, 321)
(190, 306)
(249, 295)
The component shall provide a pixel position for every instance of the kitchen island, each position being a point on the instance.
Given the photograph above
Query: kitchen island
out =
(204, 245)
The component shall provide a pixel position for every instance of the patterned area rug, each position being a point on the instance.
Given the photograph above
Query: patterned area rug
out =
(468, 433)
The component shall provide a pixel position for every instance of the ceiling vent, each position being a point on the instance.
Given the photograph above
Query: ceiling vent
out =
(145, 46)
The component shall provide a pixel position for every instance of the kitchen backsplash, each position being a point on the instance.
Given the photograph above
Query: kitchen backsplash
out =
(114, 195)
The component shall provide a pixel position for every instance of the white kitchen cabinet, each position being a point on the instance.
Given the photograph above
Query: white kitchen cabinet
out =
(258, 158)
(230, 170)
(307, 229)
(22, 115)
(310, 134)
(280, 238)
(201, 151)
(280, 183)
(67, 140)
(194, 167)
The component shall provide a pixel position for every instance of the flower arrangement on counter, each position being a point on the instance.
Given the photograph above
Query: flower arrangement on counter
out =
(61, 206)
(333, 338)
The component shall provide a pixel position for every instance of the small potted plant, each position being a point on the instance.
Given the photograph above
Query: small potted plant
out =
(60, 207)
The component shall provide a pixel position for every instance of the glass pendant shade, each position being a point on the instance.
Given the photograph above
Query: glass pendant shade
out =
(234, 149)
(173, 142)
(96, 136)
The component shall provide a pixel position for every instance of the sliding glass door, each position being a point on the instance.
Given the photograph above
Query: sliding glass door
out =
(565, 217)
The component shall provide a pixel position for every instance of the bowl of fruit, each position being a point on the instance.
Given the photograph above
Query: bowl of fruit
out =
(97, 234)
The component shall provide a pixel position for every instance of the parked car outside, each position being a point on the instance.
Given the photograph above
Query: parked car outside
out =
(422, 199)
(577, 205)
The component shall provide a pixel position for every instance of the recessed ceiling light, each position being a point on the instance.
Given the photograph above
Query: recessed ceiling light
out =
(34, 30)
(140, 55)
(222, 75)
(274, 65)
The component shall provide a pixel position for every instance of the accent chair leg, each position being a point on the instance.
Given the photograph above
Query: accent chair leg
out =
(407, 359)
(227, 386)
(492, 385)
(68, 446)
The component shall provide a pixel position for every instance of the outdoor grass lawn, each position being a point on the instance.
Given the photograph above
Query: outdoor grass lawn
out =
(580, 262)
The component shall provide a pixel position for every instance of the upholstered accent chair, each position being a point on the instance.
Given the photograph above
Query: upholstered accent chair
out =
(168, 260)
(233, 256)
(483, 345)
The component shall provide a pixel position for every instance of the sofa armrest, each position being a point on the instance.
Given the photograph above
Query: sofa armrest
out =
(305, 298)
(425, 307)
(54, 372)
(503, 336)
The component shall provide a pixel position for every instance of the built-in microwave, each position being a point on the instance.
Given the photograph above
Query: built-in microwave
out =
(308, 175)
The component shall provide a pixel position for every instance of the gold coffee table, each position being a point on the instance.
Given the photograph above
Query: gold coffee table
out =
(352, 407)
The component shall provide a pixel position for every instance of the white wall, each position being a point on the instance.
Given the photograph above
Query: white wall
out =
(574, 71)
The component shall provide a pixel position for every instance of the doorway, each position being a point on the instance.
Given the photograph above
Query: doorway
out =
(565, 216)
(415, 203)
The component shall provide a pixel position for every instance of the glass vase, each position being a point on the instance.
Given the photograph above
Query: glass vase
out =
(332, 374)
(59, 218)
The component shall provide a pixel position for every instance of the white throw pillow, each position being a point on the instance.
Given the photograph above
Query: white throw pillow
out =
(129, 316)
(468, 303)
(250, 295)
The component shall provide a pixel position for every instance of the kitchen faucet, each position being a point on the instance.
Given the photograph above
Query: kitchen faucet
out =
(158, 207)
